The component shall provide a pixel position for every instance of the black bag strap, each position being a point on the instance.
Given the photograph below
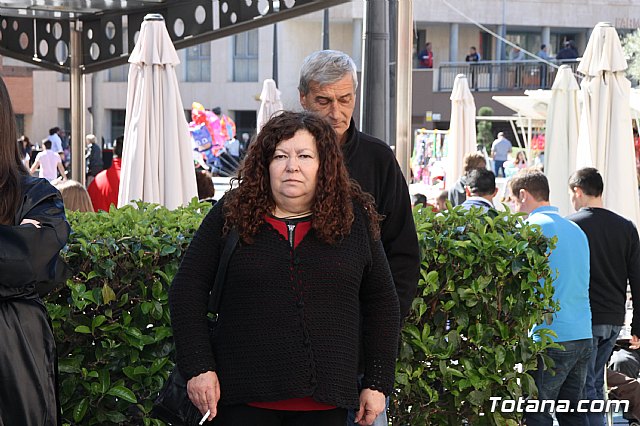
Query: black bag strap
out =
(216, 292)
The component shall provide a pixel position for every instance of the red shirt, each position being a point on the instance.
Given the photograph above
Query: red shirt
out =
(294, 404)
(104, 189)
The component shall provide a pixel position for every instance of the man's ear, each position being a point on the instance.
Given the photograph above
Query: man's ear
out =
(303, 103)
(522, 195)
(467, 190)
(577, 191)
(495, 191)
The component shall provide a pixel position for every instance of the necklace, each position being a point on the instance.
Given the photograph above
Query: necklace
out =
(295, 216)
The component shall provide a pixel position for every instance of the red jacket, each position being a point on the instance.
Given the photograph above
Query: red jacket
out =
(105, 187)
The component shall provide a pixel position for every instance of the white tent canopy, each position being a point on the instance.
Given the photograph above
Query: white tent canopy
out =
(462, 130)
(157, 163)
(606, 138)
(561, 141)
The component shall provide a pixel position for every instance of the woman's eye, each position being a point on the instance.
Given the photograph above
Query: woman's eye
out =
(279, 157)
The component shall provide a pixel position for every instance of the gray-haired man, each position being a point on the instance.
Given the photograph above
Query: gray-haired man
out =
(328, 83)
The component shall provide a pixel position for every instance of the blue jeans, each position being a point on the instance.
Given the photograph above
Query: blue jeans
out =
(604, 339)
(497, 166)
(568, 382)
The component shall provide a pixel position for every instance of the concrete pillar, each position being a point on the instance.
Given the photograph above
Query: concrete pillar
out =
(501, 53)
(97, 108)
(404, 81)
(357, 43)
(582, 39)
(454, 30)
(546, 37)
(374, 93)
(77, 103)
(325, 30)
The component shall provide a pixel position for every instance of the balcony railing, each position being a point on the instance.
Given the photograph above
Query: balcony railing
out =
(497, 76)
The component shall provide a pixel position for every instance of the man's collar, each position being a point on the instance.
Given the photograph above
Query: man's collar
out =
(481, 199)
(545, 209)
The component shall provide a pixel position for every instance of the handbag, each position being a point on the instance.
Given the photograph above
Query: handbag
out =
(173, 405)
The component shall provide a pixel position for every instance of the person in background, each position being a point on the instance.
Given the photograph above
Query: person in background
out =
(441, 201)
(544, 68)
(93, 157)
(516, 54)
(569, 263)
(75, 196)
(473, 55)
(425, 57)
(232, 146)
(521, 160)
(26, 147)
(615, 263)
(105, 187)
(327, 86)
(472, 161)
(481, 189)
(419, 200)
(472, 58)
(49, 163)
(244, 145)
(500, 150)
(56, 141)
(33, 230)
(568, 52)
(286, 348)
(206, 189)
(542, 53)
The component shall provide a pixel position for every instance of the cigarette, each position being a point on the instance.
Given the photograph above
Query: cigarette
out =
(204, 417)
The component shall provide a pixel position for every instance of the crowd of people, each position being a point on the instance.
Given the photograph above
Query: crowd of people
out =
(297, 343)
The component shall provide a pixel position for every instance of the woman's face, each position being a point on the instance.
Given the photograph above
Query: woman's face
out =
(293, 173)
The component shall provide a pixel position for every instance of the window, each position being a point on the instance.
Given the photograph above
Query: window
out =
(246, 122)
(245, 56)
(117, 122)
(20, 124)
(119, 73)
(198, 63)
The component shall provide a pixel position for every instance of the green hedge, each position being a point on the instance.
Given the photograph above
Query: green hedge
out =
(484, 282)
(111, 320)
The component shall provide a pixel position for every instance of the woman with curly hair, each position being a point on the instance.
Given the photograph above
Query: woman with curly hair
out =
(307, 279)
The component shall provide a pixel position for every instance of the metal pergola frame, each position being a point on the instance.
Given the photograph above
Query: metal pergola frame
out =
(79, 37)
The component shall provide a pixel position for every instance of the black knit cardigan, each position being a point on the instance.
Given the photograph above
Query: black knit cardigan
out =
(289, 320)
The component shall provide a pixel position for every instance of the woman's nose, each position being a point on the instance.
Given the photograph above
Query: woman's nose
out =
(292, 164)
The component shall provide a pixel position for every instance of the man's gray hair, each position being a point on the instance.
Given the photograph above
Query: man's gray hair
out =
(326, 67)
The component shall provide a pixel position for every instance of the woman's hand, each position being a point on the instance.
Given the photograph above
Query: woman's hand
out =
(372, 403)
(204, 392)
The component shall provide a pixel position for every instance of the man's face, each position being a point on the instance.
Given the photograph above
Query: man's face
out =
(334, 102)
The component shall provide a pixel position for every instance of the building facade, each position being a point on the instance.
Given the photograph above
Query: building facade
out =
(229, 72)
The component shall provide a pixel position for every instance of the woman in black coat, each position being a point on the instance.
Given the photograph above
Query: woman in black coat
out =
(33, 229)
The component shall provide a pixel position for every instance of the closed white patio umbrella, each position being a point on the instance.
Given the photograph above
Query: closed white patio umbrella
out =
(605, 136)
(270, 102)
(462, 130)
(561, 138)
(157, 163)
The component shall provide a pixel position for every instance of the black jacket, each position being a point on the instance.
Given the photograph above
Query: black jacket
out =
(289, 319)
(373, 165)
(614, 252)
(28, 259)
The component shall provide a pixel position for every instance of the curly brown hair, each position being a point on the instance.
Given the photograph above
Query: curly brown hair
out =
(246, 206)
